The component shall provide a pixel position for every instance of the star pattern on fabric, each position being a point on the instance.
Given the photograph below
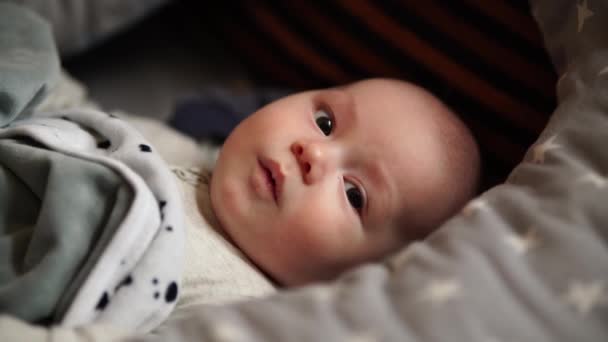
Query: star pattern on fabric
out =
(439, 291)
(540, 150)
(594, 179)
(585, 296)
(521, 244)
(225, 331)
(364, 336)
(324, 293)
(474, 206)
(402, 258)
(583, 13)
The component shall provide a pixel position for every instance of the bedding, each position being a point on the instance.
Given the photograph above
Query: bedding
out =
(79, 25)
(91, 225)
(100, 238)
(525, 261)
(19, 90)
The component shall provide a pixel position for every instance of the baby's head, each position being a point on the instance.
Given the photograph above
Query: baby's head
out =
(323, 180)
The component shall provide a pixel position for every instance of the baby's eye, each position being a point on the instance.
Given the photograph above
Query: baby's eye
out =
(324, 121)
(354, 195)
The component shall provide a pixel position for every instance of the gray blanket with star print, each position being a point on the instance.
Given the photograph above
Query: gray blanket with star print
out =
(90, 219)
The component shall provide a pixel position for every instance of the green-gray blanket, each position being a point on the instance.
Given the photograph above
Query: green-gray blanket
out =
(56, 211)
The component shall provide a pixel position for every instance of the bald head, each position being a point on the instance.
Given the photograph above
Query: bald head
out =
(460, 160)
(458, 157)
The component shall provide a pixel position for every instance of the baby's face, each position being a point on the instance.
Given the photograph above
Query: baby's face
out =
(319, 181)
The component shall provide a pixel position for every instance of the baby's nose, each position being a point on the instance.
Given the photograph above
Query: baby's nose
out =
(312, 159)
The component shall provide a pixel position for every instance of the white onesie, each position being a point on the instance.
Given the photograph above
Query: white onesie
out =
(216, 272)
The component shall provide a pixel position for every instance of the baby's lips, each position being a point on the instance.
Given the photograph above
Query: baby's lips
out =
(278, 175)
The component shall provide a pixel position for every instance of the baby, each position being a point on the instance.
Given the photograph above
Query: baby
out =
(320, 181)
(305, 188)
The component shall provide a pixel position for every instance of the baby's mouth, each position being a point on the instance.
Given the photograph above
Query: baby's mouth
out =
(274, 176)
(273, 184)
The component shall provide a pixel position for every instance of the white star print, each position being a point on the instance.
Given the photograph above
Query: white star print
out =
(593, 178)
(540, 149)
(585, 296)
(474, 206)
(521, 244)
(362, 337)
(401, 258)
(224, 331)
(324, 293)
(440, 291)
(584, 13)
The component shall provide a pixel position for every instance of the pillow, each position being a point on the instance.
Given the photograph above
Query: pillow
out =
(485, 59)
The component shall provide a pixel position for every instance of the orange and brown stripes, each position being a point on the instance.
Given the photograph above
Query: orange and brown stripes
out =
(263, 55)
(508, 60)
(268, 61)
(348, 47)
(518, 22)
(279, 30)
(434, 60)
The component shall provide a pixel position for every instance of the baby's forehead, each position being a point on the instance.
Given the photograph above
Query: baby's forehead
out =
(395, 101)
(389, 88)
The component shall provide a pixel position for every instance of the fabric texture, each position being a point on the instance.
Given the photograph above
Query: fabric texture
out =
(176, 148)
(54, 210)
(12, 329)
(131, 277)
(29, 63)
(91, 220)
(78, 25)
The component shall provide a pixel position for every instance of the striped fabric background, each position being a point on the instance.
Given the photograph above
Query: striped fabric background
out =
(485, 59)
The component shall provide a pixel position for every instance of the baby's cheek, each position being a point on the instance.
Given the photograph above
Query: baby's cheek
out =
(323, 235)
